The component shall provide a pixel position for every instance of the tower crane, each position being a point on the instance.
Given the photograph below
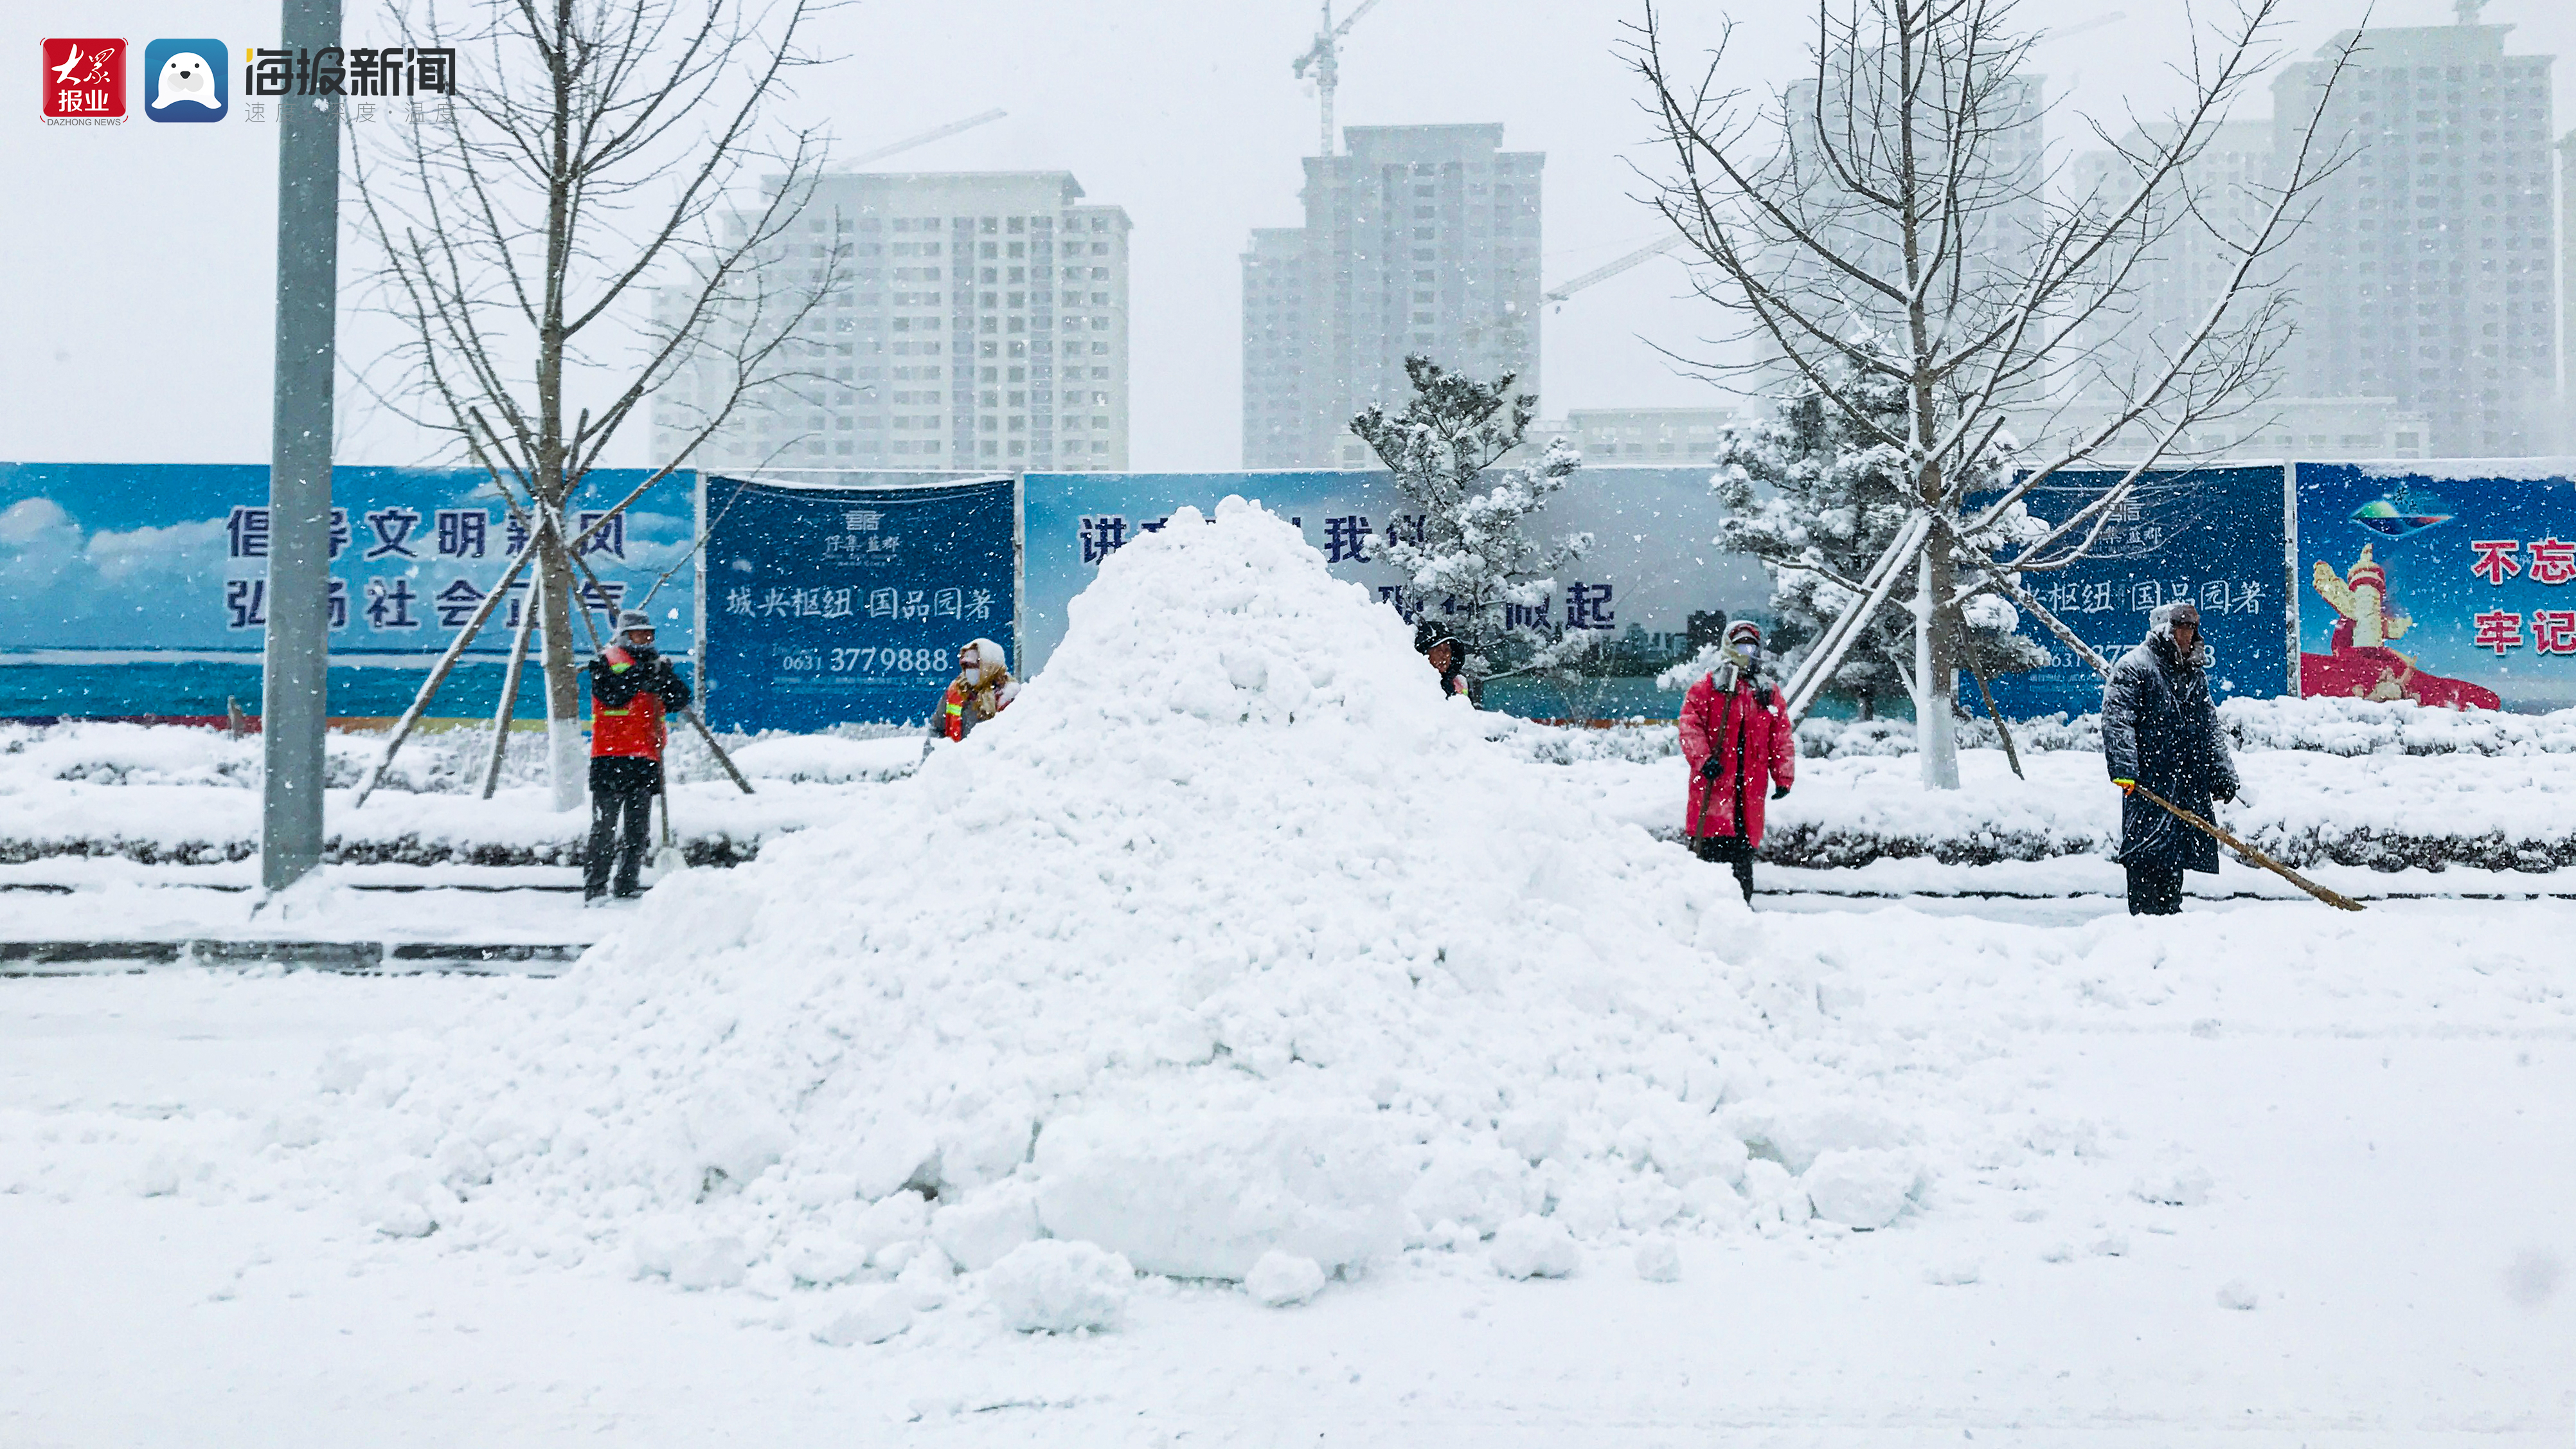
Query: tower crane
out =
(1607, 270)
(1324, 56)
(925, 138)
(2096, 23)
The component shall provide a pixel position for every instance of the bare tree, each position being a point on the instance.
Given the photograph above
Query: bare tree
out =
(593, 159)
(1891, 216)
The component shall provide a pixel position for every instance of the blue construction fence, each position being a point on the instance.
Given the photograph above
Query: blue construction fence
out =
(822, 598)
(141, 589)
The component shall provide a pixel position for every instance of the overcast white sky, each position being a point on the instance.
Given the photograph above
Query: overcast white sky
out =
(136, 314)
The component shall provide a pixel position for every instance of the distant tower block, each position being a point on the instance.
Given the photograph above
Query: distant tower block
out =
(1422, 239)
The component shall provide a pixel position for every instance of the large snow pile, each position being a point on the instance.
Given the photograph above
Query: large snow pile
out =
(1231, 938)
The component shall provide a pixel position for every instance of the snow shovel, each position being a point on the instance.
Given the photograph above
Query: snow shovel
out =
(667, 860)
(2250, 855)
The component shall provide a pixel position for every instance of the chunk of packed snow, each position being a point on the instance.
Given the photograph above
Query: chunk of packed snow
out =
(875, 1321)
(1282, 1279)
(1231, 936)
(1050, 1286)
(1714, 1200)
(1859, 1189)
(1204, 1193)
(2239, 1295)
(1659, 1260)
(703, 1263)
(1535, 1247)
(1774, 1194)
(978, 1231)
(926, 1276)
(898, 1217)
(1798, 1131)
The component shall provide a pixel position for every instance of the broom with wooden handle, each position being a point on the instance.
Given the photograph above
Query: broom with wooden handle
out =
(2335, 899)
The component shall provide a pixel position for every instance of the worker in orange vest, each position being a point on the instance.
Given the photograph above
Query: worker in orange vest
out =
(632, 689)
(982, 689)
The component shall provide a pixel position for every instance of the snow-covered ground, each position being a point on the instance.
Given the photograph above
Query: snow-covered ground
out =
(2380, 1113)
(1303, 1062)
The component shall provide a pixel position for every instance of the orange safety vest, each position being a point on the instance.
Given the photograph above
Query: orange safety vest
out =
(633, 732)
(952, 710)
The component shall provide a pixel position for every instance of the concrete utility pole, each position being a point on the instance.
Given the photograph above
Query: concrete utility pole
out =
(294, 703)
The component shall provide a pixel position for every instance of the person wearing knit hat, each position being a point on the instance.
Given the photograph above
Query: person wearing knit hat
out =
(633, 692)
(2160, 729)
(1437, 643)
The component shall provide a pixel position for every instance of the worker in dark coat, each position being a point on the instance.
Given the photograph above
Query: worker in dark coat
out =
(1438, 644)
(633, 690)
(2160, 730)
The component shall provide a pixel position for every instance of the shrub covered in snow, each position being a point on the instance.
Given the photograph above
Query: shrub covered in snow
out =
(1641, 742)
(2324, 726)
(2393, 727)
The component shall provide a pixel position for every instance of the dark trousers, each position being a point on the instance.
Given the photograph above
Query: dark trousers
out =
(621, 821)
(1733, 851)
(2155, 890)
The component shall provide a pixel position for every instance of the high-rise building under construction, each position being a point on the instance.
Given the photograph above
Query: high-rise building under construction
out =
(1423, 239)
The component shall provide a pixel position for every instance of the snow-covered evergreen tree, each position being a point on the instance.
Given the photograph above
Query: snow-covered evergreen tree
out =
(1818, 498)
(1463, 540)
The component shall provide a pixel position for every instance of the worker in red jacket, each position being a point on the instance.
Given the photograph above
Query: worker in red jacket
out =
(632, 690)
(1736, 735)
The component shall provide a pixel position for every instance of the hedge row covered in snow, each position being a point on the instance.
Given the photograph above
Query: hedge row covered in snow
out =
(2324, 726)
(449, 762)
(2340, 781)
(2388, 811)
(183, 796)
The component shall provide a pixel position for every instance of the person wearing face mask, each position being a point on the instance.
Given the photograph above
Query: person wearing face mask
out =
(982, 689)
(2160, 729)
(1737, 738)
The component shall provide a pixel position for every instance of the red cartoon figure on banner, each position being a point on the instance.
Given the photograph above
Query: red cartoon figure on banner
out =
(2362, 666)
